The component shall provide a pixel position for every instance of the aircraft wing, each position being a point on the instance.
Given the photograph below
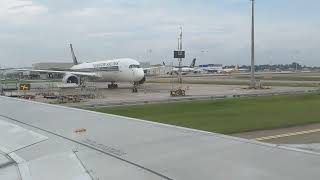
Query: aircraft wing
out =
(41, 141)
(6, 69)
(88, 74)
(150, 68)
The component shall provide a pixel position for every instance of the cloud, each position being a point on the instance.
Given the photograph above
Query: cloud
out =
(109, 34)
(19, 10)
(82, 12)
(41, 29)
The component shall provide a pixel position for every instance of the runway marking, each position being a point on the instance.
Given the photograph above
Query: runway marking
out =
(287, 135)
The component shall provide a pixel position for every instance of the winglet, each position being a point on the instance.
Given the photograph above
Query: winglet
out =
(74, 58)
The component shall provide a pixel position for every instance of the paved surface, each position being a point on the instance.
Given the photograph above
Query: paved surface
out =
(307, 134)
(159, 92)
(153, 92)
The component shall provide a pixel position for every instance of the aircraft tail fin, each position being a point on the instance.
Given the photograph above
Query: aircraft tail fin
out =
(74, 58)
(236, 67)
(193, 63)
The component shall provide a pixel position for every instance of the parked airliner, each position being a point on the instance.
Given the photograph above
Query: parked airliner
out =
(185, 69)
(117, 70)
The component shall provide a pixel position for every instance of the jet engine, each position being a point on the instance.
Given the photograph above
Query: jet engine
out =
(71, 78)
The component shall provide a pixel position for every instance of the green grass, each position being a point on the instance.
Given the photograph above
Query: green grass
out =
(230, 115)
(282, 78)
(240, 83)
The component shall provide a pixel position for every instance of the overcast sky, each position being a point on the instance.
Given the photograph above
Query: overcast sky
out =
(215, 31)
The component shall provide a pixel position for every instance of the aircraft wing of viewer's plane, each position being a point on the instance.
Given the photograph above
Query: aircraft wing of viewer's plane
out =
(40, 141)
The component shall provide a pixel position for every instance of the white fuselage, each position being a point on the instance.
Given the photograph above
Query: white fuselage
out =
(184, 70)
(118, 70)
(211, 68)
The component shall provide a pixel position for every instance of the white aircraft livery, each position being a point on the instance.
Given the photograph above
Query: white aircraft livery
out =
(117, 70)
(186, 69)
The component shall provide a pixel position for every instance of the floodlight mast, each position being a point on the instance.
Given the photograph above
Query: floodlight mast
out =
(253, 80)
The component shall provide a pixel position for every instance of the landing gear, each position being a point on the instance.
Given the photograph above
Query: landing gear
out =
(112, 86)
(135, 87)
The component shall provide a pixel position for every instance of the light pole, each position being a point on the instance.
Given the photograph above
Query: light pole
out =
(180, 59)
(253, 80)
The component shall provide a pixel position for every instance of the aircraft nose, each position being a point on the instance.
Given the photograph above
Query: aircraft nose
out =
(139, 74)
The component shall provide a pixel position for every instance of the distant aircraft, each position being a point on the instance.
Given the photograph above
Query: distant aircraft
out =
(154, 67)
(218, 68)
(117, 70)
(228, 70)
(232, 70)
(210, 68)
(185, 69)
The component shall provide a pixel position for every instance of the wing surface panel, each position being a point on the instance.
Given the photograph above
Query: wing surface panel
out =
(110, 145)
(13, 137)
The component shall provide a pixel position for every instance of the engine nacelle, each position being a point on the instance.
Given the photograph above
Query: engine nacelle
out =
(71, 78)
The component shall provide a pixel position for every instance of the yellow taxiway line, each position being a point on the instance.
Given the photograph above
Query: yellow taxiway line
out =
(287, 135)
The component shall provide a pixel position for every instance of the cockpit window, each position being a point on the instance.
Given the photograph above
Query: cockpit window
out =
(134, 66)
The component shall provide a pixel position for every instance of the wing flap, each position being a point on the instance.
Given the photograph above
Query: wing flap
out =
(13, 137)
(9, 173)
(62, 166)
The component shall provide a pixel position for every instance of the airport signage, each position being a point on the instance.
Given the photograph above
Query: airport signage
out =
(179, 54)
(24, 87)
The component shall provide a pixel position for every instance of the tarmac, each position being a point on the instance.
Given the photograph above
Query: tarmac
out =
(150, 93)
(160, 92)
